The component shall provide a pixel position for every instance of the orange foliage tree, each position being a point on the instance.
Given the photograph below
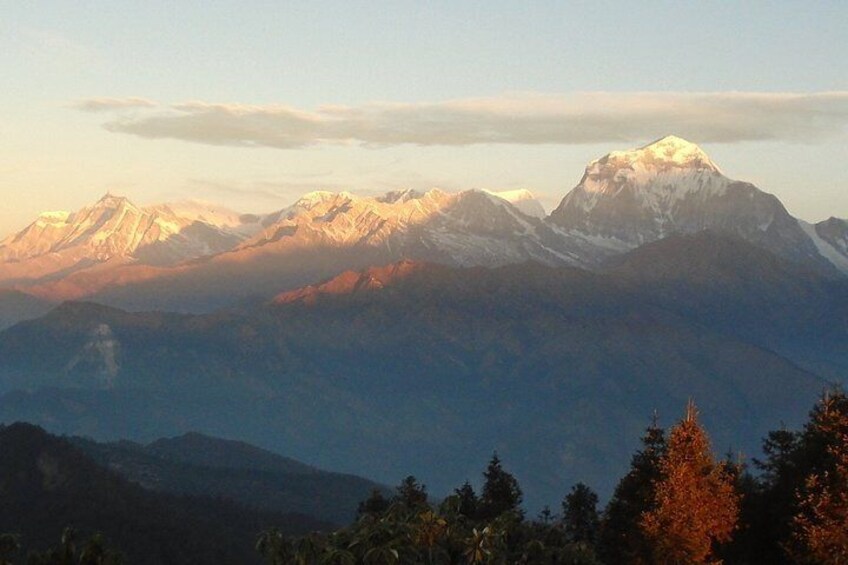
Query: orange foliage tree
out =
(696, 505)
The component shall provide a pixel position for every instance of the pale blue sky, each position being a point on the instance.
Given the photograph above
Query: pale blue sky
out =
(441, 58)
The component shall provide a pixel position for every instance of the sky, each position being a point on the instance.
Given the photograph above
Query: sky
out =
(251, 104)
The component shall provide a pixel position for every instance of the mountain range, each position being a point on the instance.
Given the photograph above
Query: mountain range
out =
(427, 369)
(418, 333)
(198, 257)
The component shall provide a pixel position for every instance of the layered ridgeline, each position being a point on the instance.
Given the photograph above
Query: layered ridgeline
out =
(48, 484)
(427, 369)
(196, 258)
(203, 466)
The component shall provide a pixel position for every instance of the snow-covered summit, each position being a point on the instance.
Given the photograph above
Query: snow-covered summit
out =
(522, 199)
(671, 186)
(54, 216)
(318, 197)
(116, 231)
(670, 151)
(671, 162)
(470, 227)
(112, 200)
(647, 187)
(202, 211)
(400, 196)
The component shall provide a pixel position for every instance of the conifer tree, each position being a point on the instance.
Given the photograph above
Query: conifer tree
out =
(546, 516)
(696, 505)
(820, 526)
(770, 503)
(501, 492)
(411, 493)
(792, 483)
(621, 539)
(580, 514)
(467, 500)
(376, 503)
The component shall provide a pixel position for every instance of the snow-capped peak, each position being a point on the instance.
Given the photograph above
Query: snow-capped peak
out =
(201, 211)
(671, 165)
(666, 153)
(671, 186)
(513, 196)
(114, 229)
(400, 196)
(111, 201)
(54, 217)
(316, 197)
(522, 199)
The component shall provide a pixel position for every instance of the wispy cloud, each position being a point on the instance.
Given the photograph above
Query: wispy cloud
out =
(600, 117)
(107, 104)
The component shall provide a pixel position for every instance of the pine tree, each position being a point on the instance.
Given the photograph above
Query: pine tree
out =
(546, 516)
(621, 539)
(745, 546)
(769, 504)
(376, 503)
(793, 483)
(411, 493)
(696, 503)
(820, 526)
(580, 514)
(501, 492)
(467, 500)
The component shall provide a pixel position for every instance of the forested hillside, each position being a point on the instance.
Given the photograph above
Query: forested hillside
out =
(677, 503)
(47, 484)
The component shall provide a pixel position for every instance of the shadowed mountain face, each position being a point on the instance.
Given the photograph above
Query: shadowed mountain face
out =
(200, 465)
(205, 451)
(557, 369)
(730, 286)
(47, 484)
(16, 306)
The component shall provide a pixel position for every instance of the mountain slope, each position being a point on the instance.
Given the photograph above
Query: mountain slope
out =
(46, 484)
(200, 465)
(732, 286)
(558, 369)
(831, 239)
(351, 282)
(16, 306)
